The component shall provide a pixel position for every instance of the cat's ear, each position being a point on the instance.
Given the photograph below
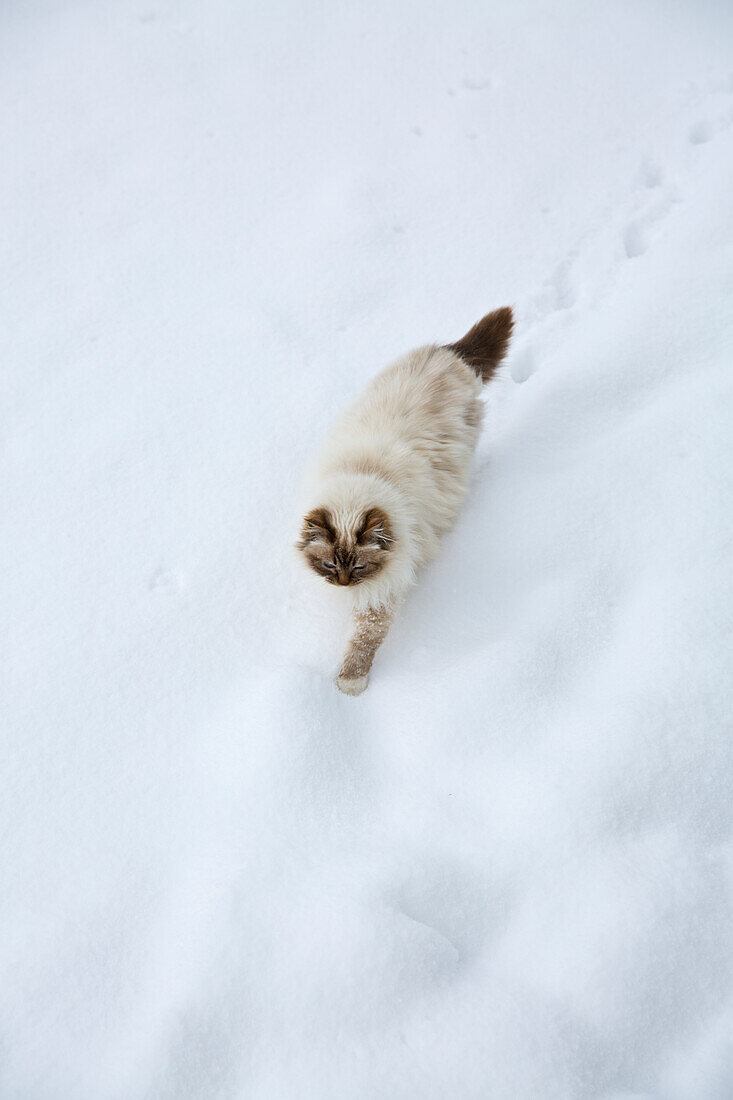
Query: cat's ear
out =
(484, 346)
(317, 527)
(375, 529)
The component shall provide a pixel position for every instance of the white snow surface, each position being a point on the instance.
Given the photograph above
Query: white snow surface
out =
(506, 870)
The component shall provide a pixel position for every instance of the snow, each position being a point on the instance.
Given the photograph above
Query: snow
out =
(506, 870)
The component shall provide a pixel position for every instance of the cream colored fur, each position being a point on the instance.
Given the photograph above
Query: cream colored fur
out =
(404, 446)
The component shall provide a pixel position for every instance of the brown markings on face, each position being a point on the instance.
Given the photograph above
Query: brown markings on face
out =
(317, 527)
(375, 529)
(484, 346)
(342, 560)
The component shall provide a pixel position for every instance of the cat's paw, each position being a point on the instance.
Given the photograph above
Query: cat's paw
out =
(352, 685)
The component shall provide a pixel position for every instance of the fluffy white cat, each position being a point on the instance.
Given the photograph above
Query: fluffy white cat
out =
(391, 477)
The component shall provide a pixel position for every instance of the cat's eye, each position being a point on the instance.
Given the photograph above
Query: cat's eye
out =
(358, 568)
(329, 565)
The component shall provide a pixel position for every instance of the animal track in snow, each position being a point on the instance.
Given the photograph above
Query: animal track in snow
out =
(623, 232)
(474, 85)
(706, 128)
(636, 235)
(165, 580)
(650, 174)
(558, 291)
(634, 240)
(524, 363)
(700, 133)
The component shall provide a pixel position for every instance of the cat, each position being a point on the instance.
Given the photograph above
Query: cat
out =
(390, 479)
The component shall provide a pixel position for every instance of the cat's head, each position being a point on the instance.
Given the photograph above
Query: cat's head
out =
(346, 550)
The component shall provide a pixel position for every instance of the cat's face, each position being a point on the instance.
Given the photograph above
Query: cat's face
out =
(346, 554)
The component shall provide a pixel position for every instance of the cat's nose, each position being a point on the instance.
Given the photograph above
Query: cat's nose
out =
(343, 577)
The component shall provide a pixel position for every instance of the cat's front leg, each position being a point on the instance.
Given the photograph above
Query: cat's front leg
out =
(370, 630)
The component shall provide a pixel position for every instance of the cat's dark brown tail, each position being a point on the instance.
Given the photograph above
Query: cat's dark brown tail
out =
(485, 345)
